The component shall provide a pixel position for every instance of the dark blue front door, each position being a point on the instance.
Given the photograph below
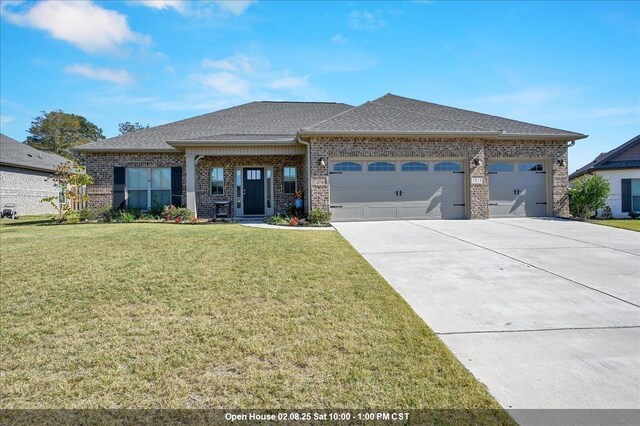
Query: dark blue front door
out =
(253, 196)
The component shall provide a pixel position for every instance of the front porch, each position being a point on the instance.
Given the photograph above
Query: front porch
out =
(256, 185)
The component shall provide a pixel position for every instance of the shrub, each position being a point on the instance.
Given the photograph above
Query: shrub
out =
(319, 217)
(634, 215)
(588, 194)
(606, 213)
(294, 221)
(182, 214)
(279, 219)
(126, 217)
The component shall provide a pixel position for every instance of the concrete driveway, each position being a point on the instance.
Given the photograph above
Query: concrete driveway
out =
(545, 312)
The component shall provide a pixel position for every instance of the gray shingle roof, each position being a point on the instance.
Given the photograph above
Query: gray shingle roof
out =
(625, 156)
(259, 121)
(17, 154)
(392, 113)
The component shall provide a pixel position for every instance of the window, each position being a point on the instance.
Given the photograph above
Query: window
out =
(147, 188)
(381, 166)
(289, 180)
(160, 187)
(500, 167)
(530, 167)
(347, 166)
(254, 174)
(635, 195)
(415, 166)
(217, 181)
(238, 188)
(447, 166)
(268, 173)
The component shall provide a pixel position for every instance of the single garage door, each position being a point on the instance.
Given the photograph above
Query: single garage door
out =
(380, 189)
(517, 188)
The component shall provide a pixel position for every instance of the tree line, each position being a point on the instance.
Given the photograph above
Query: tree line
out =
(57, 132)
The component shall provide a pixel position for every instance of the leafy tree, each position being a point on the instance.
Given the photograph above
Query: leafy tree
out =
(58, 131)
(129, 127)
(587, 194)
(70, 182)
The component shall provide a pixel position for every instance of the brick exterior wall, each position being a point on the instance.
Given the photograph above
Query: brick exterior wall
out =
(100, 167)
(26, 188)
(204, 199)
(484, 150)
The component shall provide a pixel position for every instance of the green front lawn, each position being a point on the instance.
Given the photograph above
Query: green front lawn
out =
(630, 224)
(189, 316)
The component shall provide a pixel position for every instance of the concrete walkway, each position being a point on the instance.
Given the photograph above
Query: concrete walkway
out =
(545, 312)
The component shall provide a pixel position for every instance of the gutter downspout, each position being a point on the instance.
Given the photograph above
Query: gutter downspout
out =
(308, 192)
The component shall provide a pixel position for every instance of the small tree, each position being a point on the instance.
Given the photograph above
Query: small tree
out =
(69, 181)
(587, 194)
(129, 127)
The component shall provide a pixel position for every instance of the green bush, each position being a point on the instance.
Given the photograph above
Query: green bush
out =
(279, 219)
(177, 214)
(587, 194)
(126, 217)
(319, 217)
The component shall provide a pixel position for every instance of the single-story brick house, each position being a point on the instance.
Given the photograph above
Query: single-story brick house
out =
(621, 166)
(389, 158)
(25, 176)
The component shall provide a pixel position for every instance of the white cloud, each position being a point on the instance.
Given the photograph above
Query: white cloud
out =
(225, 83)
(247, 77)
(235, 63)
(177, 5)
(237, 7)
(6, 119)
(365, 20)
(83, 24)
(118, 76)
(339, 38)
(199, 8)
(289, 83)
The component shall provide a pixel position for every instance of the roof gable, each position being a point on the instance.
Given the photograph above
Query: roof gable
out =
(624, 156)
(17, 154)
(262, 121)
(417, 116)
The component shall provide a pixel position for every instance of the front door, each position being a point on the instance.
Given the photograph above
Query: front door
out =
(253, 195)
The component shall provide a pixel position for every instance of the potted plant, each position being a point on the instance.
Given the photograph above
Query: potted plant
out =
(299, 199)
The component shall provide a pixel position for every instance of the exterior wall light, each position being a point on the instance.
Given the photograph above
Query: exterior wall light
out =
(321, 162)
(561, 162)
(476, 161)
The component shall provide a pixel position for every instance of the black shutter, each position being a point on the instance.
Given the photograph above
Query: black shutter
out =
(118, 187)
(626, 195)
(176, 186)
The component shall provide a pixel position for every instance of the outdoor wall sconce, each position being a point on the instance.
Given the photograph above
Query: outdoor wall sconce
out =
(476, 161)
(321, 162)
(561, 162)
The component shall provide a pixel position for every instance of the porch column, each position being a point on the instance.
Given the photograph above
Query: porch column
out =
(191, 183)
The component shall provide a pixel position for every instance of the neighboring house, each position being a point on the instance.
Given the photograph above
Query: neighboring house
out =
(25, 176)
(622, 167)
(389, 158)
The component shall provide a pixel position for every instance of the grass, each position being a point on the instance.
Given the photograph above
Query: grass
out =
(215, 316)
(630, 224)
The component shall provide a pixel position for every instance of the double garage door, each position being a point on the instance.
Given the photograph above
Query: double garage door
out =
(383, 189)
(396, 189)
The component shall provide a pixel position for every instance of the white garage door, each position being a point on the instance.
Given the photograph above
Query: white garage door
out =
(517, 188)
(392, 189)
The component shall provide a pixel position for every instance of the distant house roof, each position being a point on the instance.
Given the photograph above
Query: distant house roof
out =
(17, 154)
(281, 122)
(396, 114)
(263, 122)
(626, 156)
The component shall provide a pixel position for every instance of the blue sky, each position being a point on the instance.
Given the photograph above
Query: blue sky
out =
(573, 65)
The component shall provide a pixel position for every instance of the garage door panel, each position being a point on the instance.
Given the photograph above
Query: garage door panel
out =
(399, 194)
(520, 192)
